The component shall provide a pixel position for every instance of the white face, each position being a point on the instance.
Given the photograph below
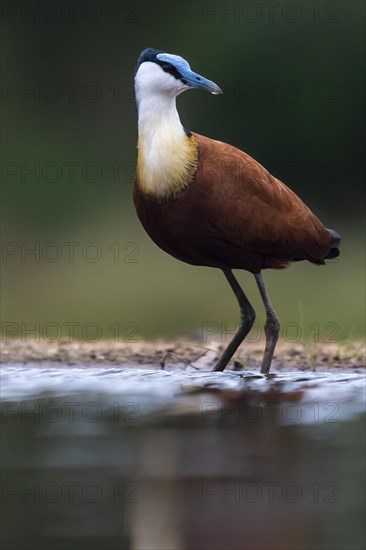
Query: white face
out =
(151, 80)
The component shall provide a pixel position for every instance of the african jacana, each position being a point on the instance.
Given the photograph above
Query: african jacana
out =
(209, 204)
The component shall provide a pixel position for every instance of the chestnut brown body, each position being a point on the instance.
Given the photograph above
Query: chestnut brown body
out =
(234, 215)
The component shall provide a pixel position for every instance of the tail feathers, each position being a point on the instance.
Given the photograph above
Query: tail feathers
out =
(336, 240)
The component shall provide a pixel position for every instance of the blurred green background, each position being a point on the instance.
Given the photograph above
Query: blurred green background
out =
(292, 76)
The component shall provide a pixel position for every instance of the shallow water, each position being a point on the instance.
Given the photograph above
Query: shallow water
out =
(105, 457)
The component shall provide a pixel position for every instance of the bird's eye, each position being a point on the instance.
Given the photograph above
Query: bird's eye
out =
(170, 69)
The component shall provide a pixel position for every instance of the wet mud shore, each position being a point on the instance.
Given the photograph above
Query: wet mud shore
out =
(187, 354)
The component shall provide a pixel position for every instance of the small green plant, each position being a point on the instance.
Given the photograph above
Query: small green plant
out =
(349, 348)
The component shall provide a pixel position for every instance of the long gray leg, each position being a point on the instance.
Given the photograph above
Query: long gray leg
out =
(247, 317)
(271, 328)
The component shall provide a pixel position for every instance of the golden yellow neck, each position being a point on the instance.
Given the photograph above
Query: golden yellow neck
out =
(167, 157)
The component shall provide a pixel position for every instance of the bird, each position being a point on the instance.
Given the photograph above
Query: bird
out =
(207, 203)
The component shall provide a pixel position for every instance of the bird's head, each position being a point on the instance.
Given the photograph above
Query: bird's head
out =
(164, 74)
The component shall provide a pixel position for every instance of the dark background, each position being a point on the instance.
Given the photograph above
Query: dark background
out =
(293, 82)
